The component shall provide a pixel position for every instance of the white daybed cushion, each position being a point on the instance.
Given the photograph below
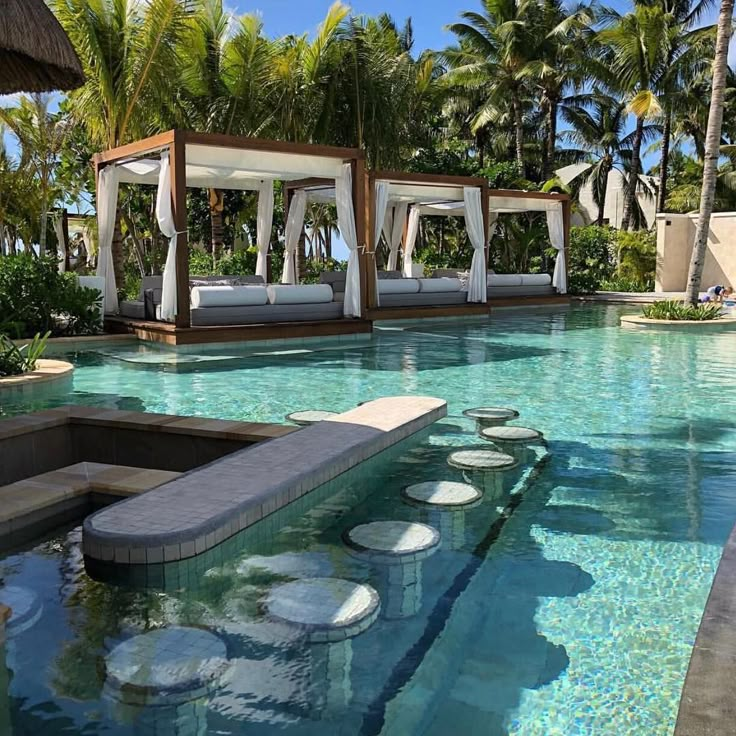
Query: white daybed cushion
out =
(398, 286)
(443, 285)
(536, 279)
(504, 279)
(299, 293)
(228, 296)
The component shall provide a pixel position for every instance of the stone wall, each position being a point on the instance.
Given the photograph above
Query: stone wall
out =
(675, 236)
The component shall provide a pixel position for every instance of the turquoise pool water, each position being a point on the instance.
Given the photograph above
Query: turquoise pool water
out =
(575, 616)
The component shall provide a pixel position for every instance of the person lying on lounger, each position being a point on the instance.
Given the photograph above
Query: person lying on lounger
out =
(717, 294)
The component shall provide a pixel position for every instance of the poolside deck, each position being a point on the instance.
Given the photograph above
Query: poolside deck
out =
(631, 297)
(169, 334)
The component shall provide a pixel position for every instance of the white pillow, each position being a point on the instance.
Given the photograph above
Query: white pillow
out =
(504, 279)
(299, 293)
(536, 279)
(398, 286)
(228, 296)
(443, 285)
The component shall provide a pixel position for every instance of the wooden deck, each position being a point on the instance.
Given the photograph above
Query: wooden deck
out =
(169, 334)
(529, 301)
(445, 310)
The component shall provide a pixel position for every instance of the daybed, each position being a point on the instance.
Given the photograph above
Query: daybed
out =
(502, 285)
(396, 291)
(240, 300)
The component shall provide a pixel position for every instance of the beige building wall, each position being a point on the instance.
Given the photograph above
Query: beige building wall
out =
(675, 236)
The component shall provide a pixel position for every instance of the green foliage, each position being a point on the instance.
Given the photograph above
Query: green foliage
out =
(620, 283)
(590, 258)
(15, 360)
(678, 311)
(637, 255)
(36, 298)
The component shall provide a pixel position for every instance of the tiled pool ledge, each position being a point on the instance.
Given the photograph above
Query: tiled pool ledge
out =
(203, 508)
(707, 706)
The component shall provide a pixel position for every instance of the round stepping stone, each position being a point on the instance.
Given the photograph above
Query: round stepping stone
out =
(481, 460)
(25, 608)
(488, 416)
(166, 666)
(512, 435)
(310, 416)
(327, 609)
(443, 493)
(393, 542)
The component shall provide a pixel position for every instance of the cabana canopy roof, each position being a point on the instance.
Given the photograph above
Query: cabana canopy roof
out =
(35, 53)
(217, 162)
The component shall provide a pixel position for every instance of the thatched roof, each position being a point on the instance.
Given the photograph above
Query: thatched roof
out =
(35, 53)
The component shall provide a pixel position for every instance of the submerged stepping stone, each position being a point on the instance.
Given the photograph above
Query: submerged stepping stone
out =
(25, 608)
(393, 542)
(166, 666)
(511, 435)
(481, 460)
(443, 493)
(488, 416)
(326, 609)
(310, 416)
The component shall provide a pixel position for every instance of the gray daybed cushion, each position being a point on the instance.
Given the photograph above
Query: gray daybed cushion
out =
(249, 315)
(425, 299)
(135, 308)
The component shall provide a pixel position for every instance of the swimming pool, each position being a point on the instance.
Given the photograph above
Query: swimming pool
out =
(575, 617)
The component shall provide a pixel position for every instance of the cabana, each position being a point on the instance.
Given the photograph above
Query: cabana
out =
(557, 208)
(173, 161)
(396, 202)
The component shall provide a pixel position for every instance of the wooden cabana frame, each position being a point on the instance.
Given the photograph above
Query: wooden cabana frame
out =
(178, 143)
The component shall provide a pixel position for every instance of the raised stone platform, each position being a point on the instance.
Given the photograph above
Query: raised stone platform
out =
(486, 461)
(166, 666)
(50, 376)
(324, 609)
(511, 435)
(393, 542)
(310, 416)
(442, 493)
(638, 322)
(491, 416)
(201, 509)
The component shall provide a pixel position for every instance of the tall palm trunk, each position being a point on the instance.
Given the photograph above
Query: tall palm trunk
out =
(664, 160)
(712, 150)
(606, 167)
(549, 161)
(633, 175)
(519, 136)
(118, 251)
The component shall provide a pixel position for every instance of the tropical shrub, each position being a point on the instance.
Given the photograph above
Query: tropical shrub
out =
(637, 256)
(36, 298)
(590, 258)
(15, 360)
(678, 311)
(621, 283)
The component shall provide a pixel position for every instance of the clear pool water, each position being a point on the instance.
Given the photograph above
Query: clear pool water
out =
(575, 616)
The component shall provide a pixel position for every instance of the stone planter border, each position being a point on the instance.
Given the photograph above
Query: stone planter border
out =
(50, 375)
(723, 324)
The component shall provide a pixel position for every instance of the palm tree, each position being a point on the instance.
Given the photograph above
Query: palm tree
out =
(41, 137)
(712, 149)
(128, 52)
(492, 56)
(599, 131)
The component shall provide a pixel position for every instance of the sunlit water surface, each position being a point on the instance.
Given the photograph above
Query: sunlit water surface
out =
(575, 617)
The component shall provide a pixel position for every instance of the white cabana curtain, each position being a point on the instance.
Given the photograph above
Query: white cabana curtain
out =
(556, 228)
(474, 226)
(165, 217)
(411, 237)
(379, 221)
(294, 227)
(107, 205)
(394, 231)
(59, 232)
(346, 224)
(263, 229)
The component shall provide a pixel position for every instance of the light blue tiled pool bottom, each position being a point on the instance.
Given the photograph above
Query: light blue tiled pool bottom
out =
(573, 617)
